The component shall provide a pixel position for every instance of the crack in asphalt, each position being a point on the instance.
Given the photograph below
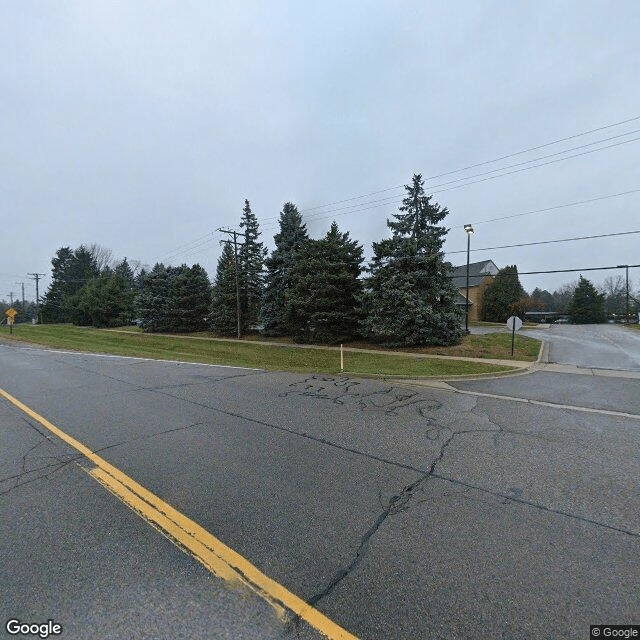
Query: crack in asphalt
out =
(406, 494)
(149, 436)
(62, 462)
(301, 434)
(389, 401)
(137, 387)
(397, 504)
(512, 497)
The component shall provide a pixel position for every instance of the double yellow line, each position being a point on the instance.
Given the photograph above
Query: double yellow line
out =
(218, 558)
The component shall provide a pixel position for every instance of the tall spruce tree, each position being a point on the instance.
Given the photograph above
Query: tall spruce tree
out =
(152, 303)
(324, 299)
(123, 269)
(409, 298)
(251, 256)
(501, 297)
(223, 314)
(71, 270)
(189, 299)
(59, 287)
(587, 306)
(277, 284)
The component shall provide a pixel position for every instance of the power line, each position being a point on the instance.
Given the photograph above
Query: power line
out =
(479, 164)
(530, 244)
(529, 273)
(201, 246)
(193, 245)
(387, 201)
(209, 237)
(560, 206)
(511, 166)
(188, 246)
(542, 164)
(551, 155)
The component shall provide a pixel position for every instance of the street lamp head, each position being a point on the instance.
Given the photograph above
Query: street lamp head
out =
(468, 228)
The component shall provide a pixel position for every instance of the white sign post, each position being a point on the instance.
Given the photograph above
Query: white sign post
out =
(514, 323)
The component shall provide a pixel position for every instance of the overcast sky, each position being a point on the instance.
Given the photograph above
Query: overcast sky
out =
(142, 126)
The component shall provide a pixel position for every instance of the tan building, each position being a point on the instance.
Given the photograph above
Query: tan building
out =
(481, 275)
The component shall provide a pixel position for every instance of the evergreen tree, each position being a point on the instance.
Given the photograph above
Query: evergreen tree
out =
(289, 240)
(587, 306)
(544, 299)
(106, 300)
(189, 299)
(409, 299)
(71, 270)
(52, 299)
(123, 269)
(139, 279)
(501, 297)
(224, 303)
(323, 305)
(251, 257)
(153, 304)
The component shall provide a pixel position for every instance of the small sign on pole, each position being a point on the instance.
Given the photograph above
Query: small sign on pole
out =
(514, 323)
(11, 314)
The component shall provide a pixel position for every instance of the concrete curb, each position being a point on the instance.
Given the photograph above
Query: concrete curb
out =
(432, 381)
(543, 356)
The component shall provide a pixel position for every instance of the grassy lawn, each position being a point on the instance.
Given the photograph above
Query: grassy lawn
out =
(246, 354)
(490, 345)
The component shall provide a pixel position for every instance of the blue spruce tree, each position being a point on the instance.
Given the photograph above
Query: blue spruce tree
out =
(277, 286)
(409, 298)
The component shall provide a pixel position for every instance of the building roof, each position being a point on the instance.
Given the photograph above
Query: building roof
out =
(478, 271)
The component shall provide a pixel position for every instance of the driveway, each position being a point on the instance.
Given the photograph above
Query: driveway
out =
(593, 346)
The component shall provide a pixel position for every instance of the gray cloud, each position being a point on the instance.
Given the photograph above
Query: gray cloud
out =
(143, 126)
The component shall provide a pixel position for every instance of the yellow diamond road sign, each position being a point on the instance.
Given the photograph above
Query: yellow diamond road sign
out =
(11, 313)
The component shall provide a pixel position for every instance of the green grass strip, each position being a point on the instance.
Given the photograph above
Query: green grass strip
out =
(242, 354)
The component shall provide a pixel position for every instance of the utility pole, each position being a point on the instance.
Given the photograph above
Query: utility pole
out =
(627, 269)
(235, 235)
(10, 294)
(23, 302)
(626, 266)
(36, 277)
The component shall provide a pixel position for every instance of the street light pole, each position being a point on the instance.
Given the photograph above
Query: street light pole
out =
(469, 229)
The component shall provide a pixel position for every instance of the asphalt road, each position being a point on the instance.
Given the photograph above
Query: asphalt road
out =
(398, 512)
